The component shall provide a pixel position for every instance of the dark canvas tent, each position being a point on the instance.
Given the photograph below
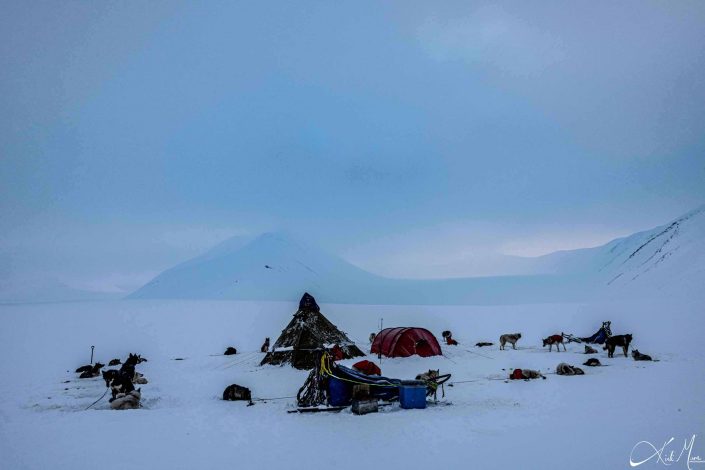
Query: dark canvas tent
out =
(404, 342)
(305, 335)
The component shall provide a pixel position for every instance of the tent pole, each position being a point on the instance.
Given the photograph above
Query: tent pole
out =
(379, 354)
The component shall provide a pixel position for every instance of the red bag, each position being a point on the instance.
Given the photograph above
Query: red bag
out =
(337, 353)
(367, 368)
(516, 375)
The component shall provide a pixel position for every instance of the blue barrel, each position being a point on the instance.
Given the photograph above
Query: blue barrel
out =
(412, 394)
(339, 392)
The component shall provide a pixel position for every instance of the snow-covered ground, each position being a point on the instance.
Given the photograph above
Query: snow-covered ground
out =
(591, 421)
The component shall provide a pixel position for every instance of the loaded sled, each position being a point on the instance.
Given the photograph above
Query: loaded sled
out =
(332, 384)
(599, 337)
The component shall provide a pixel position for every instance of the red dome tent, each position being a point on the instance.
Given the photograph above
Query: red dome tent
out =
(405, 342)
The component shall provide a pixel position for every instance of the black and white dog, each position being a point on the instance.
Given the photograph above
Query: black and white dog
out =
(119, 381)
(135, 359)
(612, 342)
(90, 371)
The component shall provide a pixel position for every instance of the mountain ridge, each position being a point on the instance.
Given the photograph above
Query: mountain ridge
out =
(279, 266)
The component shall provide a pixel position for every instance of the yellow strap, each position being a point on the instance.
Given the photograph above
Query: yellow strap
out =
(327, 372)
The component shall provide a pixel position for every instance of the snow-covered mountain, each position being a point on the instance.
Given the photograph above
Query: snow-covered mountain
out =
(277, 266)
(274, 266)
(670, 257)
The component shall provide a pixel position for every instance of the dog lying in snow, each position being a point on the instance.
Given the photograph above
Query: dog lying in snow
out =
(509, 338)
(526, 374)
(554, 339)
(114, 362)
(532, 374)
(590, 350)
(566, 369)
(236, 392)
(139, 379)
(592, 362)
(448, 336)
(127, 401)
(87, 368)
(92, 371)
(482, 343)
(612, 342)
(639, 356)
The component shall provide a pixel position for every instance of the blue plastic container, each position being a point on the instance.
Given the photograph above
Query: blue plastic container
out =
(412, 394)
(339, 392)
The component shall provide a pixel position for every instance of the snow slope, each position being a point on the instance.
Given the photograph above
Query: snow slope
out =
(275, 266)
(586, 422)
(668, 258)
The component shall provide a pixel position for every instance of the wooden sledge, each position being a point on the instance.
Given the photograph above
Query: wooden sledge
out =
(315, 409)
(571, 338)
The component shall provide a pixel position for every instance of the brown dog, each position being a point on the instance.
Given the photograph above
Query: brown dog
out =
(265, 346)
(554, 339)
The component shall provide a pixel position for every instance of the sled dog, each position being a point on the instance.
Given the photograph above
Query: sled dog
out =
(509, 338)
(639, 356)
(554, 339)
(619, 340)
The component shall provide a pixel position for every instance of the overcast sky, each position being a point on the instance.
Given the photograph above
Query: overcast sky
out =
(402, 135)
